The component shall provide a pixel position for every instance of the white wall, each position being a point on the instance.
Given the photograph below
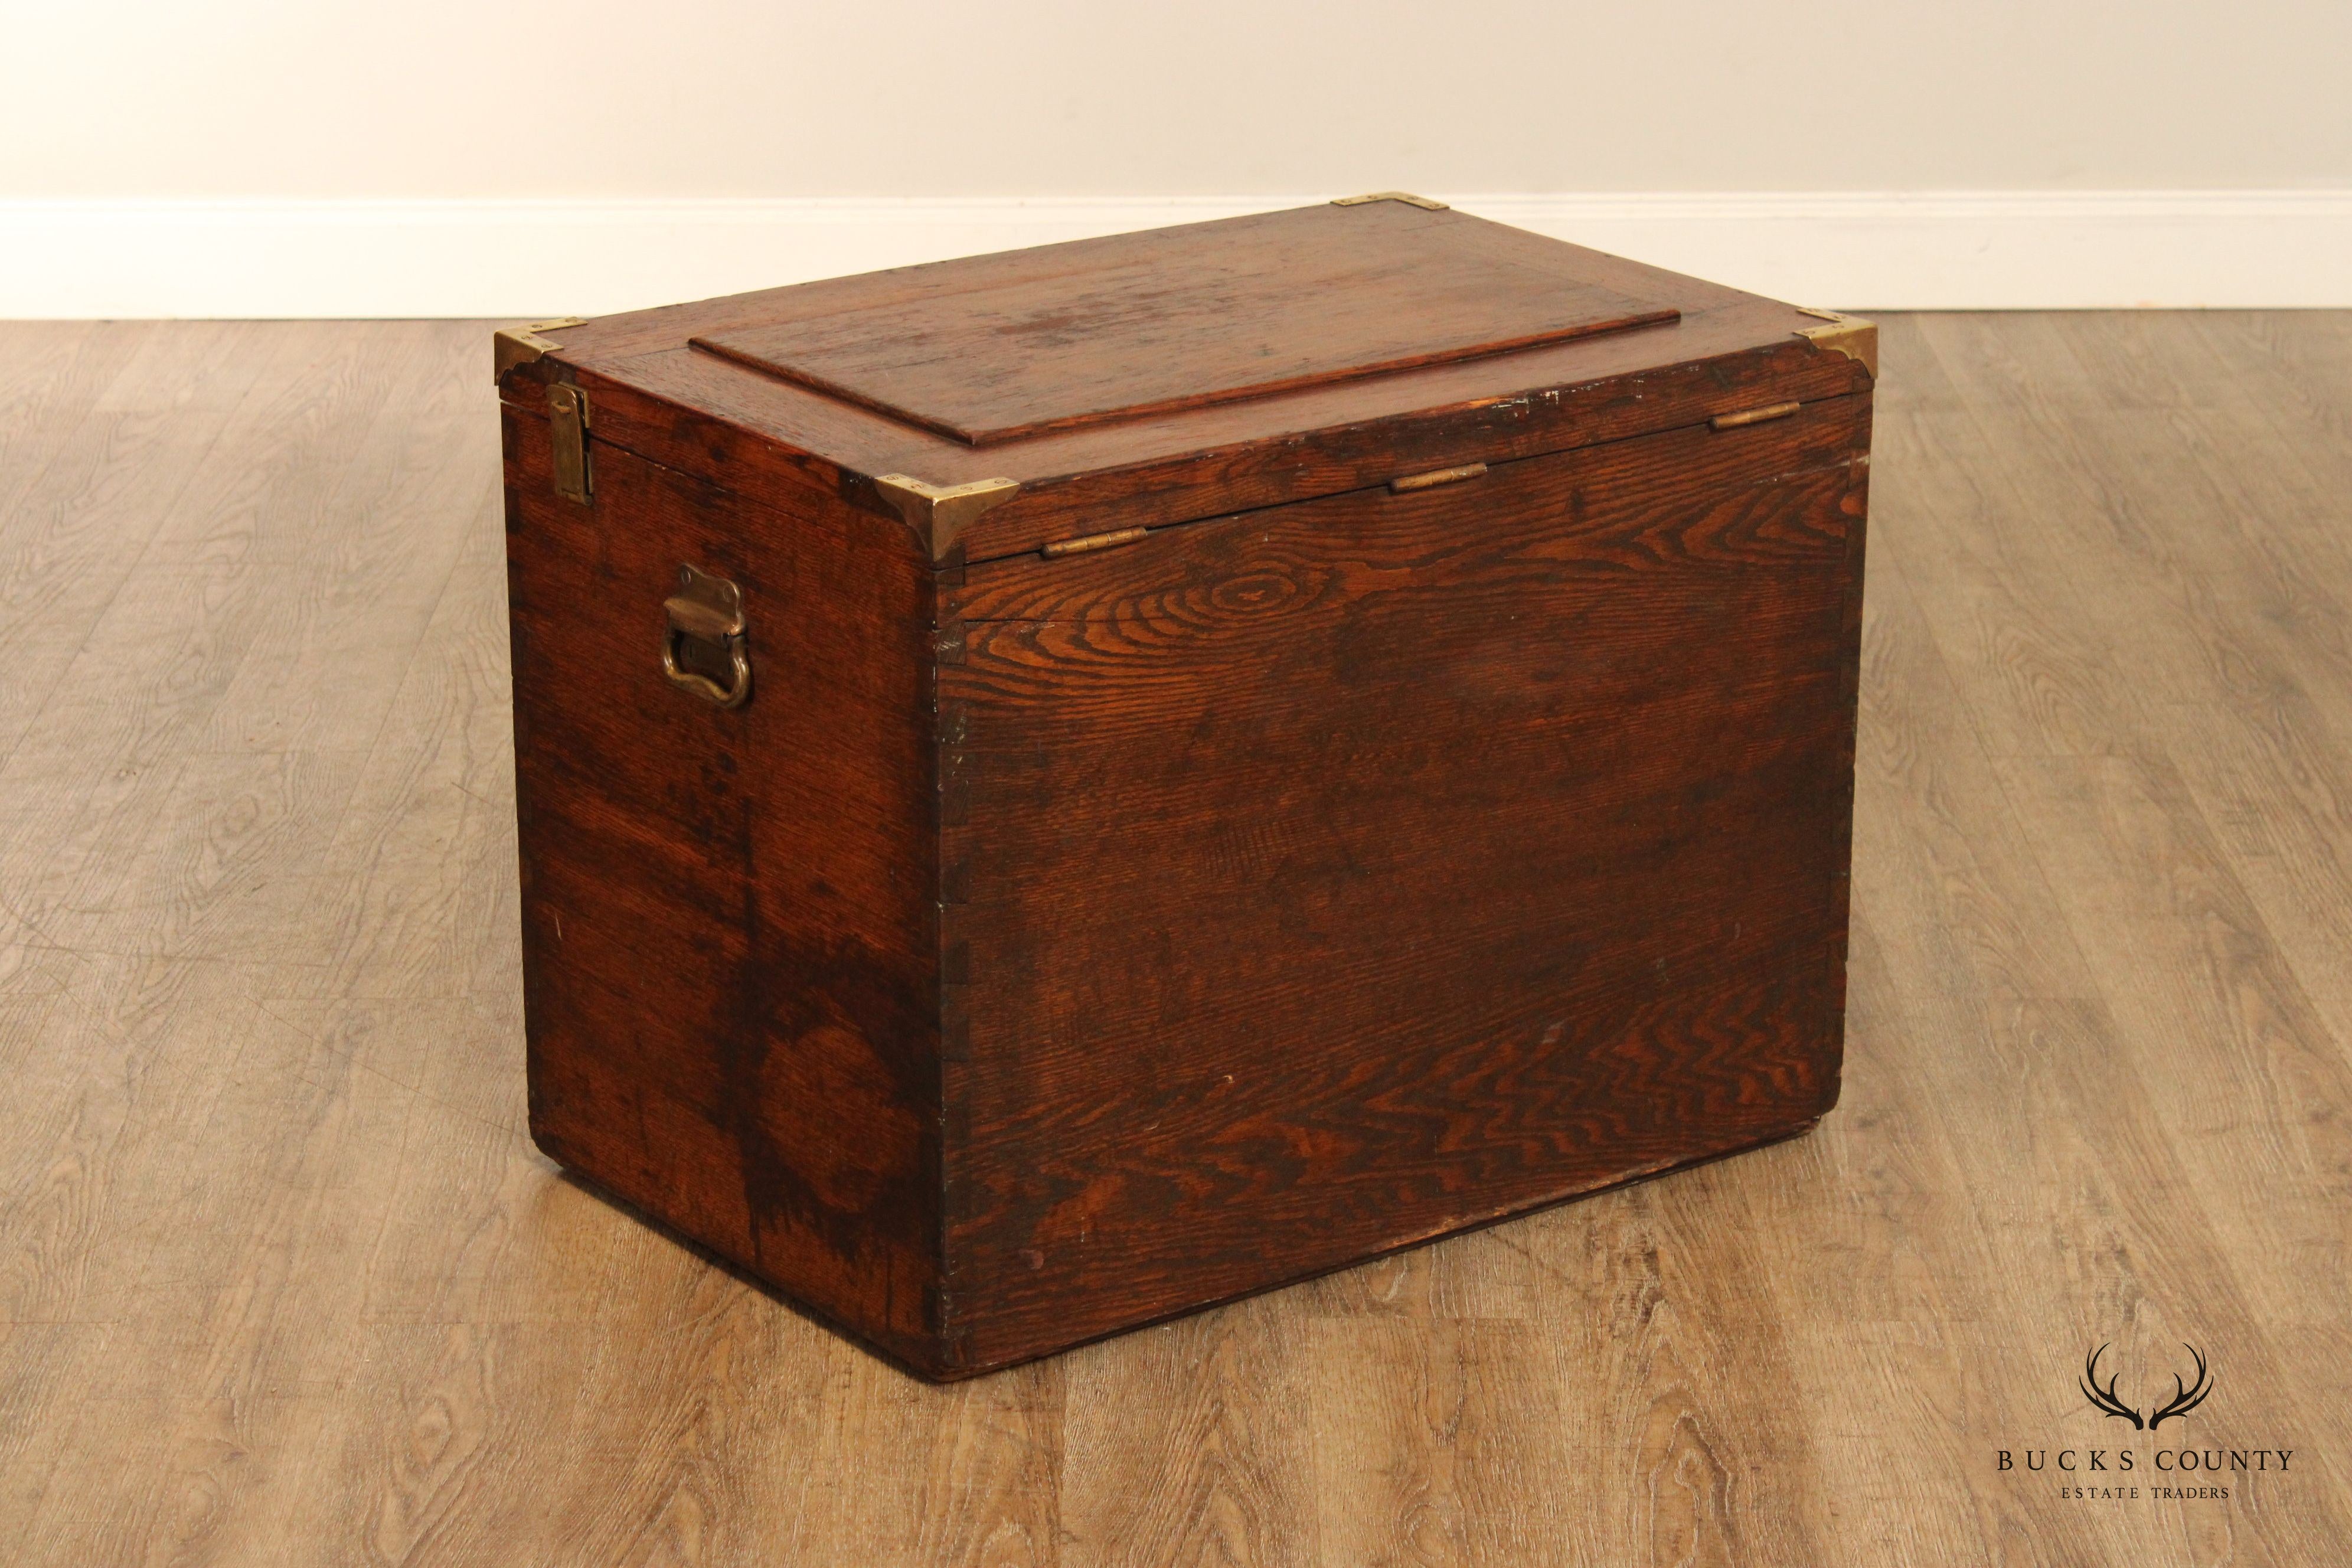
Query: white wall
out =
(468, 147)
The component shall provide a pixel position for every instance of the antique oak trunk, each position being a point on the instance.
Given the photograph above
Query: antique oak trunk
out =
(1066, 786)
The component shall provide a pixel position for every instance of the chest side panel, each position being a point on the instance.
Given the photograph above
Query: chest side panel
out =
(1342, 874)
(730, 955)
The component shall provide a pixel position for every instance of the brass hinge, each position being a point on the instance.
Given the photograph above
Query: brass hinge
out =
(567, 426)
(1753, 416)
(938, 512)
(1407, 197)
(512, 346)
(1079, 546)
(1435, 478)
(1849, 335)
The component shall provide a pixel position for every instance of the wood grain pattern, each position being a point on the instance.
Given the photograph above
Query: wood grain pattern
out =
(283, 1279)
(1379, 989)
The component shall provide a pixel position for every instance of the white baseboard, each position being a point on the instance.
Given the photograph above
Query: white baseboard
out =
(1955, 250)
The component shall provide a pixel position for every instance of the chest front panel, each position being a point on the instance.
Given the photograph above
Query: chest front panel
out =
(1324, 877)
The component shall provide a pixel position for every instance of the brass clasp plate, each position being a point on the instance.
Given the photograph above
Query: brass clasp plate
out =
(567, 425)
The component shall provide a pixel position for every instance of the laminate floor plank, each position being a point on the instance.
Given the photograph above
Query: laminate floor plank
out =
(78, 525)
(282, 1279)
(2097, 1216)
(243, 1319)
(1968, 952)
(52, 376)
(408, 895)
(1206, 1411)
(2217, 545)
(704, 1393)
(121, 716)
(2040, 672)
(115, 1093)
(2272, 771)
(2203, 525)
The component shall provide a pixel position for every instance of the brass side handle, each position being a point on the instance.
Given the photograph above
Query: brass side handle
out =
(705, 634)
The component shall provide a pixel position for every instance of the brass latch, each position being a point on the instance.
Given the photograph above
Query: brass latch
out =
(567, 425)
(702, 648)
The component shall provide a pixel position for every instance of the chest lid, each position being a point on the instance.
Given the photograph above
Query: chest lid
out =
(998, 404)
(1128, 333)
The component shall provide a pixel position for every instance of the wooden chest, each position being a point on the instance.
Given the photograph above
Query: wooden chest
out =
(1064, 787)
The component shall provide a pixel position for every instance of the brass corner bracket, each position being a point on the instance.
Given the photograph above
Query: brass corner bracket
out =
(512, 346)
(1407, 197)
(1849, 335)
(938, 513)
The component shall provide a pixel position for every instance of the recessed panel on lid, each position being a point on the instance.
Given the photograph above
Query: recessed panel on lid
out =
(1107, 330)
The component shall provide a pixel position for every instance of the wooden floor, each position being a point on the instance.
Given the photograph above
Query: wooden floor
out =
(282, 1281)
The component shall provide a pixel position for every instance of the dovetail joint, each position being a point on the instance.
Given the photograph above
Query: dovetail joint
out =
(954, 780)
(955, 1022)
